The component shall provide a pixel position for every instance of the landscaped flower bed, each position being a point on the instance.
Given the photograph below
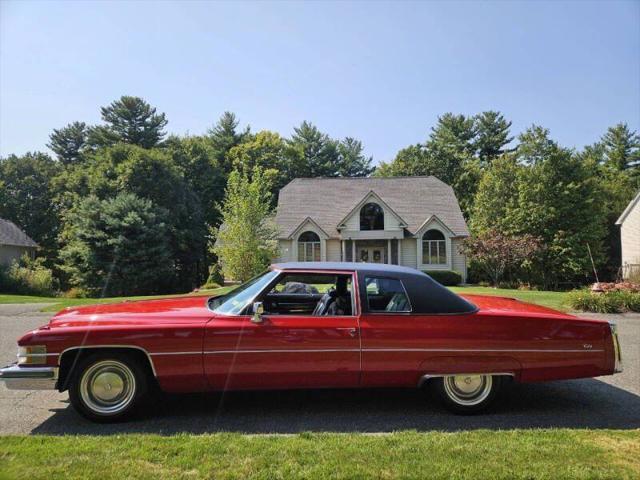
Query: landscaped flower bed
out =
(607, 298)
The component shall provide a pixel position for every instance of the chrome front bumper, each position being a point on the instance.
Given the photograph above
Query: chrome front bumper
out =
(16, 377)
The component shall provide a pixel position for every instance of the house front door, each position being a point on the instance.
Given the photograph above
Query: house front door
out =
(371, 254)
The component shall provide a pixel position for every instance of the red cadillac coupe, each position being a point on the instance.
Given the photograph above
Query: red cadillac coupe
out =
(310, 325)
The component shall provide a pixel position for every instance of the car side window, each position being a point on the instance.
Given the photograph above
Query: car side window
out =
(386, 295)
(312, 294)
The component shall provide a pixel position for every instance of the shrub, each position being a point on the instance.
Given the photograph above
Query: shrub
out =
(76, 292)
(606, 302)
(445, 277)
(210, 286)
(27, 277)
(215, 275)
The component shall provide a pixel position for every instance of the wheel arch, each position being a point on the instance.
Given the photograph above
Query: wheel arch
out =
(70, 357)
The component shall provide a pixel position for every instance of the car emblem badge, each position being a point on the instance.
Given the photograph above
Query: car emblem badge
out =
(587, 346)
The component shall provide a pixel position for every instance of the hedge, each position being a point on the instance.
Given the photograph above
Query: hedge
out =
(447, 278)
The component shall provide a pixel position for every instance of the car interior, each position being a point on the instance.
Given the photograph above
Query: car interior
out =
(310, 294)
(386, 295)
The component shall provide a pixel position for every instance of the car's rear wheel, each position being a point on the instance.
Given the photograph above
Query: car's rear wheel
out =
(108, 387)
(467, 394)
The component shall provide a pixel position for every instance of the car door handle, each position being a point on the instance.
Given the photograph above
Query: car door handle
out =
(351, 331)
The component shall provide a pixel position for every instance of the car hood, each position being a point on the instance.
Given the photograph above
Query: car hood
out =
(166, 310)
(505, 305)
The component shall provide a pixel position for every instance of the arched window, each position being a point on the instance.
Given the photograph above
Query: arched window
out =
(371, 217)
(309, 247)
(434, 248)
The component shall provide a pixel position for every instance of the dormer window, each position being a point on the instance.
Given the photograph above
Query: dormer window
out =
(434, 248)
(309, 247)
(371, 217)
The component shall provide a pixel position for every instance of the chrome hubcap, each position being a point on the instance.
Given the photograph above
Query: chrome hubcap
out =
(468, 389)
(107, 387)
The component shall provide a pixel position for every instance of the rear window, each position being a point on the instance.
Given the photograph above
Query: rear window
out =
(386, 295)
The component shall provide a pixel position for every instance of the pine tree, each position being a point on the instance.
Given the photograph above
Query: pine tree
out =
(621, 147)
(129, 120)
(319, 153)
(492, 135)
(69, 142)
(117, 246)
(224, 136)
(353, 162)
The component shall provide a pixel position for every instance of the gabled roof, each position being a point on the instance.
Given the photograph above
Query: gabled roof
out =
(303, 223)
(367, 198)
(10, 234)
(429, 221)
(630, 207)
(327, 201)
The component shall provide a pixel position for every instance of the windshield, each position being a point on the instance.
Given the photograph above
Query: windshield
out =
(236, 301)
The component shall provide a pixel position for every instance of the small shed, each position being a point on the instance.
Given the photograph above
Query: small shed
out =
(14, 243)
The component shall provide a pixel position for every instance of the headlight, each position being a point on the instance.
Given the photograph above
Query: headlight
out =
(32, 355)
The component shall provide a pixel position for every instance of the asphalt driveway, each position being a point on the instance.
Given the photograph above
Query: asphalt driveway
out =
(605, 402)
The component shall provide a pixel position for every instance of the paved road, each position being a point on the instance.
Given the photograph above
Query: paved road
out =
(606, 402)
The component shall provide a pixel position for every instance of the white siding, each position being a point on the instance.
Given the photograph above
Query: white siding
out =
(408, 254)
(630, 236)
(333, 250)
(285, 252)
(458, 259)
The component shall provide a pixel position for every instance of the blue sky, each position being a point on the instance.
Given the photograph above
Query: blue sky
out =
(381, 72)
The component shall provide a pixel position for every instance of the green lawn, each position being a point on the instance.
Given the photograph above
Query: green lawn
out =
(479, 454)
(548, 299)
(59, 303)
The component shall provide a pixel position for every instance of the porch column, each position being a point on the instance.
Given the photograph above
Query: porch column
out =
(389, 259)
(343, 251)
(353, 250)
(399, 251)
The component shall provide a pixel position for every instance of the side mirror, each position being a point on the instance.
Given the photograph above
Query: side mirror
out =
(258, 310)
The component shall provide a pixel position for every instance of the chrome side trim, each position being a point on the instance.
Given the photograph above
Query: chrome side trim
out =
(153, 354)
(135, 347)
(617, 351)
(304, 350)
(429, 376)
(38, 355)
(542, 350)
(300, 350)
(16, 377)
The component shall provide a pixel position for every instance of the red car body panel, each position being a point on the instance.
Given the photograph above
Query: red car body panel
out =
(193, 349)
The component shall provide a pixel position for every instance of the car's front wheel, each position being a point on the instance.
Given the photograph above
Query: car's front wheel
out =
(108, 387)
(467, 394)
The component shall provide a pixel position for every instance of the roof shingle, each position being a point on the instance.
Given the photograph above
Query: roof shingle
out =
(10, 234)
(328, 200)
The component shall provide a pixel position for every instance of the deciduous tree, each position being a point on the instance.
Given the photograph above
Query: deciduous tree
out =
(246, 241)
(27, 199)
(496, 253)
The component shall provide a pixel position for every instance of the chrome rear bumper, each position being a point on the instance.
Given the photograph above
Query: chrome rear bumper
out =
(617, 351)
(16, 377)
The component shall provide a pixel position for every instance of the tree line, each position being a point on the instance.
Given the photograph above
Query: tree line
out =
(124, 208)
(563, 202)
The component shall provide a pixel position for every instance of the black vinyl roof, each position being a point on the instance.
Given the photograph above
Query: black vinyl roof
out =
(425, 294)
